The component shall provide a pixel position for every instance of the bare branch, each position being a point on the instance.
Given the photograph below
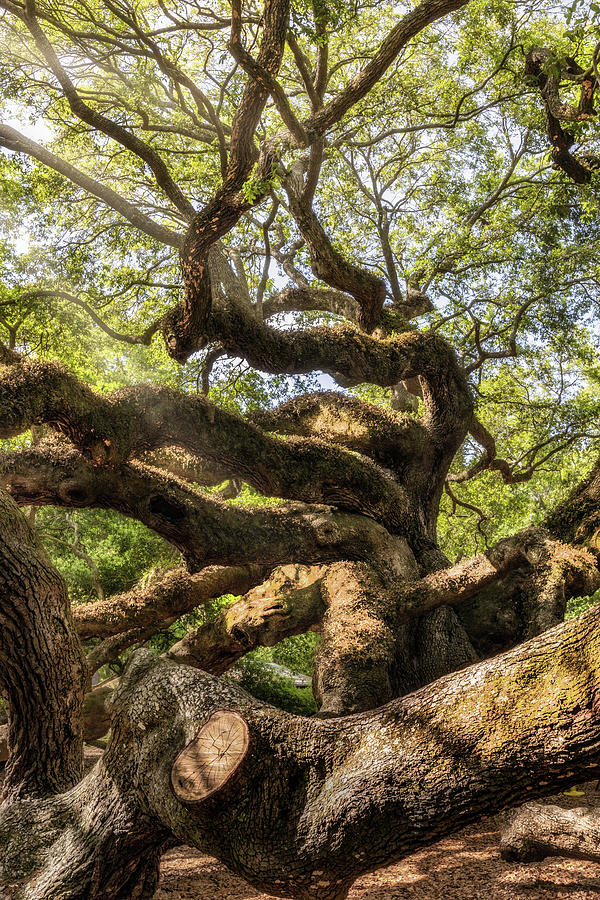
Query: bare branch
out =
(13, 140)
(145, 338)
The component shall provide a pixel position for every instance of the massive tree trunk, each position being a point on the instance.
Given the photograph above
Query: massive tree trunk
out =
(311, 804)
(299, 807)
(324, 800)
(42, 668)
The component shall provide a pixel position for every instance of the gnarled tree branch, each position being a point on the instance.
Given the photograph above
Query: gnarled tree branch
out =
(206, 531)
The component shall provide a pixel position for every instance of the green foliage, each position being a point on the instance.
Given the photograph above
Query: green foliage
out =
(255, 188)
(452, 171)
(122, 550)
(578, 605)
(268, 684)
(296, 653)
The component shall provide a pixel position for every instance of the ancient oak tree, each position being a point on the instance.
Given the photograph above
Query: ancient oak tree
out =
(370, 214)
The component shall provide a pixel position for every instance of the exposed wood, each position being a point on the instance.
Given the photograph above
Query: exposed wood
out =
(211, 758)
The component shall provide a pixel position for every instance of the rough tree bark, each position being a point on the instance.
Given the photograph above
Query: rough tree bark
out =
(45, 696)
(298, 807)
(537, 831)
(313, 803)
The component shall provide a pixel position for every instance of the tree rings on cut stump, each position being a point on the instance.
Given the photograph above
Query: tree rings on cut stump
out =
(211, 758)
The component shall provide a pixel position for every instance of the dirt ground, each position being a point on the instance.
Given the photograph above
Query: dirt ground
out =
(466, 866)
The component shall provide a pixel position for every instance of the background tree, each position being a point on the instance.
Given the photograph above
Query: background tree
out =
(214, 256)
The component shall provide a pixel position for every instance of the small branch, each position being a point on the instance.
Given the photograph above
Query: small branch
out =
(100, 122)
(145, 338)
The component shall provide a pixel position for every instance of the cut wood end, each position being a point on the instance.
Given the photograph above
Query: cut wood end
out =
(210, 759)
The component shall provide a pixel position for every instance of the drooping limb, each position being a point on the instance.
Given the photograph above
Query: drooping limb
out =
(199, 526)
(136, 420)
(306, 536)
(133, 421)
(206, 531)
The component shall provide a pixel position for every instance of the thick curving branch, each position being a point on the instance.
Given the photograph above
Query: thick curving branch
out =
(329, 264)
(185, 466)
(289, 602)
(305, 298)
(206, 531)
(355, 355)
(133, 421)
(172, 595)
(538, 831)
(146, 417)
(184, 324)
(393, 440)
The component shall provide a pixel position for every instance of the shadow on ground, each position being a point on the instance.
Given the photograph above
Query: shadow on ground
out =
(466, 866)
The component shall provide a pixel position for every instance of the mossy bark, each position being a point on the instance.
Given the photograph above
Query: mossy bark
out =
(314, 803)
